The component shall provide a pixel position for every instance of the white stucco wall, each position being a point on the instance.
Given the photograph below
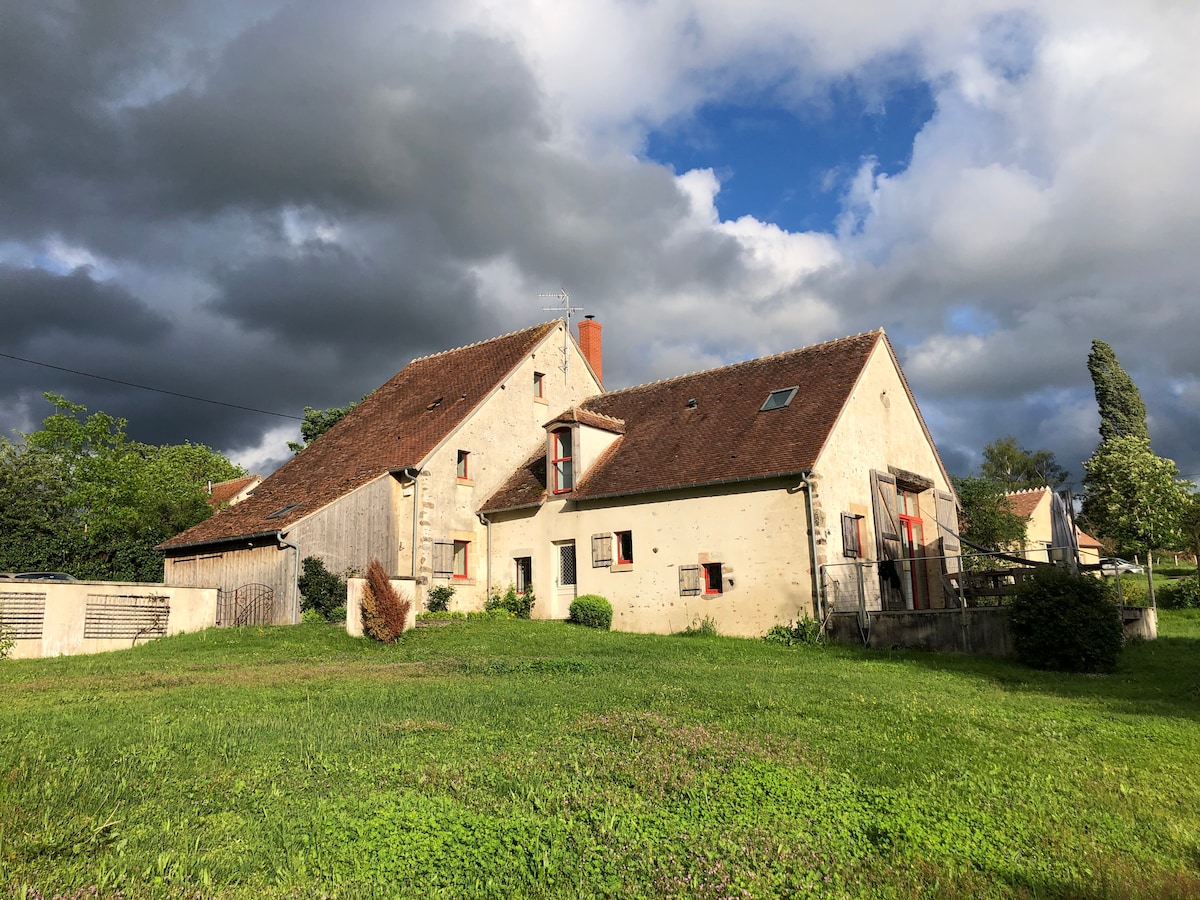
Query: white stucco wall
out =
(500, 436)
(757, 532)
(65, 607)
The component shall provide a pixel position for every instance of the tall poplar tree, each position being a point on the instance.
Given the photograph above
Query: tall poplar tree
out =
(1122, 412)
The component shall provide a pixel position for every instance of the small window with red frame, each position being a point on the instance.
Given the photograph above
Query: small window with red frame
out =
(463, 470)
(560, 461)
(461, 562)
(624, 547)
(712, 578)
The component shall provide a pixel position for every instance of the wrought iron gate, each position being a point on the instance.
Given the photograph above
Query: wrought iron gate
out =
(250, 604)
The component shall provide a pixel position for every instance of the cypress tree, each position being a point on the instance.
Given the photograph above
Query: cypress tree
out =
(1122, 412)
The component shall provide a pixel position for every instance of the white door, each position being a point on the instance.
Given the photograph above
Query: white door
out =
(565, 579)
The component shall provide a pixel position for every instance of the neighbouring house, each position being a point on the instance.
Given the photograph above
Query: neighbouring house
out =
(400, 478)
(750, 494)
(232, 492)
(1048, 528)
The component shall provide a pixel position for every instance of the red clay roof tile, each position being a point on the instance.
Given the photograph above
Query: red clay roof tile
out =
(396, 425)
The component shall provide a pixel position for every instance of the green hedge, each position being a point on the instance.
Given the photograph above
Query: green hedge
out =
(591, 610)
(1065, 621)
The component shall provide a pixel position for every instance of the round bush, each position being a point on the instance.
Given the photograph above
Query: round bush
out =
(1065, 621)
(1182, 594)
(591, 610)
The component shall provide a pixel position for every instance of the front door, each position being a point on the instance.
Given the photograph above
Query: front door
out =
(912, 543)
(565, 579)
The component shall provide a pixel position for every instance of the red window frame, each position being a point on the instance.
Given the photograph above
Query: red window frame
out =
(463, 470)
(539, 381)
(560, 463)
(712, 578)
(624, 547)
(465, 546)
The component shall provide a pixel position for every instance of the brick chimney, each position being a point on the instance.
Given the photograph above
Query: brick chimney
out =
(590, 344)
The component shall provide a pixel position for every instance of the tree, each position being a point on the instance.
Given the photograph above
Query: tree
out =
(1012, 467)
(78, 496)
(987, 519)
(317, 422)
(1135, 497)
(1122, 412)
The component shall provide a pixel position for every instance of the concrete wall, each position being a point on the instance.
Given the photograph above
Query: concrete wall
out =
(980, 630)
(354, 592)
(758, 532)
(62, 617)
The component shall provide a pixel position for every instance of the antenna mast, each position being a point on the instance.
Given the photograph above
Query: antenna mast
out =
(564, 307)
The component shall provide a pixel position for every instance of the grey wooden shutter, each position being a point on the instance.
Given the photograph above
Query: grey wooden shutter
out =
(850, 544)
(689, 581)
(443, 559)
(947, 520)
(601, 550)
(887, 520)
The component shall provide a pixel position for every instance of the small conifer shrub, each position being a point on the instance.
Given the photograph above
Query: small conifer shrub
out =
(384, 610)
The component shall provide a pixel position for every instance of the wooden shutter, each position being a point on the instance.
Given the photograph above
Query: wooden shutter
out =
(850, 541)
(443, 559)
(601, 550)
(947, 520)
(887, 520)
(689, 581)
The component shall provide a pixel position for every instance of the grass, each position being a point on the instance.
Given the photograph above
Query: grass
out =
(527, 759)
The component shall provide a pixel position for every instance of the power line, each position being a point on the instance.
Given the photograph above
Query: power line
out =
(265, 412)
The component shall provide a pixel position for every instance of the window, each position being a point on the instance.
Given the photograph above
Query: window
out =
(462, 471)
(851, 535)
(689, 581)
(601, 550)
(712, 578)
(624, 547)
(566, 563)
(779, 399)
(524, 573)
(560, 461)
(284, 511)
(539, 384)
(460, 559)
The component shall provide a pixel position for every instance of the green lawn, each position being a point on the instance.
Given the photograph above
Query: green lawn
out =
(508, 759)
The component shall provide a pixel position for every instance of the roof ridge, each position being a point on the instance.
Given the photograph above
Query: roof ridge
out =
(755, 359)
(498, 337)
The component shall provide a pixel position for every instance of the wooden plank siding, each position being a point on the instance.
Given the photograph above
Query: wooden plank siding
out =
(346, 534)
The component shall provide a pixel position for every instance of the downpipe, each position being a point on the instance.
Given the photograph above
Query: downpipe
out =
(285, 545)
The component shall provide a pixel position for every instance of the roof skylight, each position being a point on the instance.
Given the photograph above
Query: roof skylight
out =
(779, 399)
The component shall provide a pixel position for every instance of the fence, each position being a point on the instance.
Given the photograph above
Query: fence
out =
(250, 604)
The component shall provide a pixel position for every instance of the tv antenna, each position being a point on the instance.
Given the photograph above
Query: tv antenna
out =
(564, 307)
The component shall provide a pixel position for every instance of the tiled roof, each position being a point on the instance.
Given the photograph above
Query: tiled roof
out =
(224, 491)
(1023, 503)
(587, 417)
(1086, 540)
(671, 442)
(396, 425)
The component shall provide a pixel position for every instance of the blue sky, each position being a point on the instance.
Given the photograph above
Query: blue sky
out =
(791, 165)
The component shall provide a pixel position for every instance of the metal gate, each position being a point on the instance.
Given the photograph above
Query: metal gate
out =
(250, 604)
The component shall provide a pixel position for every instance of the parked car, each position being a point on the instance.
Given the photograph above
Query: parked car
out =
(46, 576)
(1114, 566)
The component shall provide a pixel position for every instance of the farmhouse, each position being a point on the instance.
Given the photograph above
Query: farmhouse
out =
(734, 494)
(1048, 528)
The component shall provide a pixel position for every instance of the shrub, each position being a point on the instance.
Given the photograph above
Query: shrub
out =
(1133, 590)
(520, 605)
(804, 631)
(6, 642)
(320, 589)
(1183, 594)
(1065, 621)
(311, 617)
(338, 614)
(591, 610)
(439, 598)
(705, 627)
(384, 611)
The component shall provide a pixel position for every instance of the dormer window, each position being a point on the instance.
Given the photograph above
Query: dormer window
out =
(779, 399)
(560, 461)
